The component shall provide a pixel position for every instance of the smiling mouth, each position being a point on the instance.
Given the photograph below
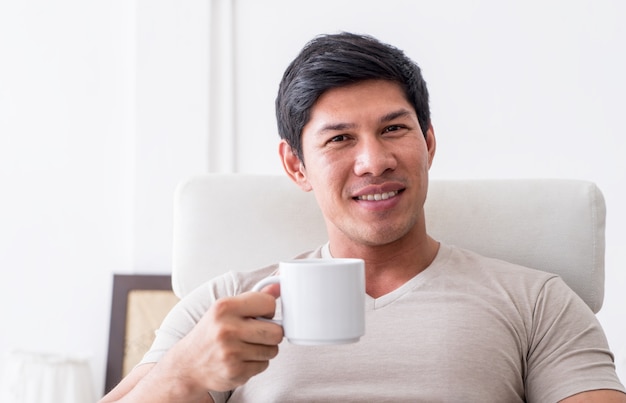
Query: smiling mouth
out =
(378, 196)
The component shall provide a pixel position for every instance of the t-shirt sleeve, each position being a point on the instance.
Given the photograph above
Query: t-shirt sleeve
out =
(568, 351)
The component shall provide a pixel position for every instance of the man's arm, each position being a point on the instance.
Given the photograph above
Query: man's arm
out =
(224, 349)
(137, 387)
(128, 383)
(597, 396)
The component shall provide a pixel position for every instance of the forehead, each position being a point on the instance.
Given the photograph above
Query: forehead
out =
(358, 101)
(389, 88)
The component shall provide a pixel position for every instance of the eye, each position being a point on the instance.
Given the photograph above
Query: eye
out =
(338, 138)
(392, 128)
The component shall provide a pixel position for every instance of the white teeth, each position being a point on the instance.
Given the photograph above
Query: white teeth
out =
(378, 196)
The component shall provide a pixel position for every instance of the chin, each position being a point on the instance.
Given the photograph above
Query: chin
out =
(381, 237)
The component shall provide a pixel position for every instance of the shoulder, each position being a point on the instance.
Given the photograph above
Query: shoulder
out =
(236, 282)
(525, 288)
(475, 261)
(565, 351)
(492, 271)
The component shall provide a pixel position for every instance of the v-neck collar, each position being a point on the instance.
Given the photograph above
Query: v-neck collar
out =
(420, 279)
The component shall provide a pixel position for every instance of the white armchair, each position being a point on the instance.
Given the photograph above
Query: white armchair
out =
(240, 222)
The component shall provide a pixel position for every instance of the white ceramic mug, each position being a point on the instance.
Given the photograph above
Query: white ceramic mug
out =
(322, 300)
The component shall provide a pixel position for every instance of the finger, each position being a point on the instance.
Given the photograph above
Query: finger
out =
(248, 304)
(272, 289)
(262, 332)
(260, 353)
(242, 366)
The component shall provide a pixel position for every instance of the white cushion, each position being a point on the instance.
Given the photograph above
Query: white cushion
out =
(241, 222)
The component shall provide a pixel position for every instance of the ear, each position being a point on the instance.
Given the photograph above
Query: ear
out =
(294, 168)
(431, 144)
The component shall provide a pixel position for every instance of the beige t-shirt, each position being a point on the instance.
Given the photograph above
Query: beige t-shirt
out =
(466, 329)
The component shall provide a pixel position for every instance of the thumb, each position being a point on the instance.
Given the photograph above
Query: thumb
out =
(272, 289)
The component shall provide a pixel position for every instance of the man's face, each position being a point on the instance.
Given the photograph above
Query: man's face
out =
(367, 161)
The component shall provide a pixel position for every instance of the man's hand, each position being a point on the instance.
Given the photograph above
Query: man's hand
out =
(226, 348)
(229, 346)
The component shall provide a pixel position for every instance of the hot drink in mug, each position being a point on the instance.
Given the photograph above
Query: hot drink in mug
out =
(322, 300)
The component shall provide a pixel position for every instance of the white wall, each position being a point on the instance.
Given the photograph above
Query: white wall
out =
(66, 163)
(172, 117)
(105, 106)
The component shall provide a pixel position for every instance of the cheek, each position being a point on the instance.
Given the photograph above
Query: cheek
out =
(327, 181)
(416, 153)
(327, 166)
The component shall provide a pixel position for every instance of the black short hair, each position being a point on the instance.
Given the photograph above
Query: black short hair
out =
(336, 60)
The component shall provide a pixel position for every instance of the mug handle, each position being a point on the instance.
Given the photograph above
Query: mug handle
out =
(259, 286)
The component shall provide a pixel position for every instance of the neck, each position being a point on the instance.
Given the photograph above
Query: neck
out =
(389, 266)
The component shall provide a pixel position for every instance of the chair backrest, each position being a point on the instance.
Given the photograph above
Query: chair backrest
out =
(240, 222)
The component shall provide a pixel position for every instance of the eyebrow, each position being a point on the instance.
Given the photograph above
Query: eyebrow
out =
(347, 126)
(394, 115)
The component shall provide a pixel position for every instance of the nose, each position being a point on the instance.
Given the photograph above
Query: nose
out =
(374, 157)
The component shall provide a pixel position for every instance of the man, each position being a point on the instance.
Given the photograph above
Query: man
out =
(443, 324)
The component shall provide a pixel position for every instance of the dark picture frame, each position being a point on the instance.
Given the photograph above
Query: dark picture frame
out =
(123, 286)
